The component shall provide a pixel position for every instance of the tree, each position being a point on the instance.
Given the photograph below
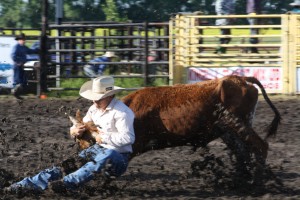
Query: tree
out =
(83, 10)
(158, 10)
(11, 13)
(21, 13)
(32, 15)
(26, 13)
(111, 11)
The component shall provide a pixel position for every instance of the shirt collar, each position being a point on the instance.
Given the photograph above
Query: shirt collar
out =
(109, 107)
(111, 104)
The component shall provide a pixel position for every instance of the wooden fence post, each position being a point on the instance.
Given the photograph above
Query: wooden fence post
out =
(43, 47)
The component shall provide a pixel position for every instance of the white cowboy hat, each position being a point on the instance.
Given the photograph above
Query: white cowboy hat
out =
(99, 88)
(295, 3)
(109, 54)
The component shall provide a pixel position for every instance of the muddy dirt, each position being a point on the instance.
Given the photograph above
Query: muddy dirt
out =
(34, 136)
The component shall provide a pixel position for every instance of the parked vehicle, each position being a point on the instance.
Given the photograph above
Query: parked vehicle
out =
(65, 56)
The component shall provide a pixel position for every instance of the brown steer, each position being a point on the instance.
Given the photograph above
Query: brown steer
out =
(196, 114)
(199, 113)
(88, 137)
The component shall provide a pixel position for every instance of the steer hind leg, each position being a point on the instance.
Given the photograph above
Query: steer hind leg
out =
(238, 148)
(260, 149)
(232, 124)
(258, 146)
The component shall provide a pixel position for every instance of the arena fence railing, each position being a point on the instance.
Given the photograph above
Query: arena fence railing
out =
(200, 51)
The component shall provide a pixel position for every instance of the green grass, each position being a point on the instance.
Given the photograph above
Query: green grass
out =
(75, 84)
(68, 83)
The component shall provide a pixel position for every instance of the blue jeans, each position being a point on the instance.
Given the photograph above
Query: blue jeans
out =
(253, 31)
(98, 157)
(19, 75)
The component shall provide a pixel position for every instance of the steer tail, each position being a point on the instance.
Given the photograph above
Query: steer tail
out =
(272, 128)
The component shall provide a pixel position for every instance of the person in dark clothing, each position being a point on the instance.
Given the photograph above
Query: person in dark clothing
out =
(253, 8)
(295, 7)
(18, 55)
(198, 22)
(224, 7)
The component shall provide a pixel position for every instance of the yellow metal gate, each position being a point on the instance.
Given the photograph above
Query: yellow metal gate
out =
(195, 44)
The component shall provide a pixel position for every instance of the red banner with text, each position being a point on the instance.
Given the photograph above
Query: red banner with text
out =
(270, 77)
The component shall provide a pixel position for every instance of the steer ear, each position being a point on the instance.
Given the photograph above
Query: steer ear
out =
(78, 116)
(73, 120)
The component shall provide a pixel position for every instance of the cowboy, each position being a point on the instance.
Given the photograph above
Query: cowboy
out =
(113, 143)
(93, 70)
(18, 55)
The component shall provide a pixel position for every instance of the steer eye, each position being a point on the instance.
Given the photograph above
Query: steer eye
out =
(98, 126)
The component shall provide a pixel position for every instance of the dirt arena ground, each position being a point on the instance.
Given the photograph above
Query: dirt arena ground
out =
(34, 136)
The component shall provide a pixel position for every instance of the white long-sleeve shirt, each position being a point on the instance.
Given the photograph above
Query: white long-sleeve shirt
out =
(116, 123)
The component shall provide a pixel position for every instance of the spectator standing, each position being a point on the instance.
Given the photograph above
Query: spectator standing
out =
(295, 7)
(253, 8)
(152, 57)
(19, 57)
(93, 70)
(224, 7)
(198, 22)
